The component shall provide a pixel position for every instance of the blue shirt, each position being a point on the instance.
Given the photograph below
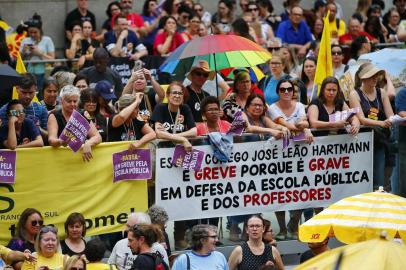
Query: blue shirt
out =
(400, 101)
(110, 40)
(290, 35)
(271, 96)
(28, 130)
(213, 261)
(35, 111)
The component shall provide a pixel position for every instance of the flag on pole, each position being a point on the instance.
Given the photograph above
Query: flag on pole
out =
(324, 66)
(20, 68)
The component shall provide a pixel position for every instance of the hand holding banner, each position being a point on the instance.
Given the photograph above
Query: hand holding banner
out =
(132, 166)
(75, 131)
(238, 125)
(344, 115)
(187, 160)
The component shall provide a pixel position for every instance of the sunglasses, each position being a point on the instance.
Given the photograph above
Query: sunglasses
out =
(336, 53)
(37, 222)
(201, 74)
(286, 89)
(252, 9)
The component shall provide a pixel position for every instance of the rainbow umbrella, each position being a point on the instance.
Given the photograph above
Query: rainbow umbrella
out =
(220, 51)
(256, 73)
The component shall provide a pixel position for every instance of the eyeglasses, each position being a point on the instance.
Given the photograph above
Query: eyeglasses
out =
(212, 236)
(198, 9)
(286, 89)
(37, 222)
(17, 112)
(276, 63)
(257, 105)
(201, 74)
(255, 226)
(76, 268)
(271, 49)
(336, 53)
(253, 9)
(176, 93)
(213, 110)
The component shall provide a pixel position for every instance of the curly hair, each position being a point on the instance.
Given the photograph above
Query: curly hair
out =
(158, 215)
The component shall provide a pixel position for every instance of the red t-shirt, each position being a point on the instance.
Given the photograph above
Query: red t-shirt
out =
(348, 37)
(135, 20)
(202, 128)
(161, 37)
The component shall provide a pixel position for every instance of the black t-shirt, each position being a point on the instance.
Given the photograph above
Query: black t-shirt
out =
(75, 16)
(125, 132)
(162, 115)
(110, 75)
(307, 255)
(143, 262)
(194, 101)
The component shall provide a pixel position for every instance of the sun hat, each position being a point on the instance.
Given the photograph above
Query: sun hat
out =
(202, 65)
(368, 70)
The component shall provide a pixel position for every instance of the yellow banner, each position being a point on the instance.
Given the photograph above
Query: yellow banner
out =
(57, 182)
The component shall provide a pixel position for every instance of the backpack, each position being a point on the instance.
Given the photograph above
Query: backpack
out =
(158, 259)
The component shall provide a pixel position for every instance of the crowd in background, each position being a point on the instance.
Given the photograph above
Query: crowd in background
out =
(284, 103)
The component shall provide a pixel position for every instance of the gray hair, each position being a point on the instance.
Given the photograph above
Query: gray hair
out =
(124, 101)
(158, 214)
(64, 78)
(139, 218)
(68, 91)
(200, 232)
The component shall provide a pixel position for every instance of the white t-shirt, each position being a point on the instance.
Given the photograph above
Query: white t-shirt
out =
(122, 257)
(299, 113)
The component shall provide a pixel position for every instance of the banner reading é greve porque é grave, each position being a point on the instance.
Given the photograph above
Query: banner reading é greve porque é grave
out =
(264, 179)
(57, 183)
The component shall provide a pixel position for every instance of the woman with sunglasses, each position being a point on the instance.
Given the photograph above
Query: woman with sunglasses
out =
(28, 226)
(337, 57)
(291, 114)
(20, 132)
(46, 246)
(75, 263)
(330, 100)
(75, 229)
(255, 252)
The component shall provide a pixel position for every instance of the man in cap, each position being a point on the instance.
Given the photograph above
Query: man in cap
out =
(198, 75)
(105, 90)
(100, 71)
(314, 250)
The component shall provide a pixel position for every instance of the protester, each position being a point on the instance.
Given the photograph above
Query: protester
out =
(94, 253)
(121, 41)
(268, 83)
(79, 14)
(391, 22)
(138, 84)
(75, 229)
(169, 39)
(100, 71)
(330, 101)
(81, 81)
(113, 9)
(73, 46)
(223, 18)
(28, 226)
(121, 255)
(37, 46)
(151, 18)
(125, 125)
(174, 121)
(337, 26)
(266, 13)
(254, 253)
(314, 250)
(375, 111)
(135, 21)
(20, 131)
(75, 262)
(354, 31)
(204, 15)
(160, 217)
(51, 92)
(46, 246)
(58, 120)
(36, 112)
(192, 31)
(11, 256)
(361, 45)
(203, 254)
(267, 237)
(105, 92)
(337, 55)
(307, 77)
(211, 112)
(140, 240)
(87, 44)
(91, 111)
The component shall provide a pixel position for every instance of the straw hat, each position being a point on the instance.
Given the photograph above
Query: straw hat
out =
(368, 70)
(204, 66)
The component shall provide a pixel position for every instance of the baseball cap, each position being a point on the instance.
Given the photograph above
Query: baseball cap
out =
(105, 89)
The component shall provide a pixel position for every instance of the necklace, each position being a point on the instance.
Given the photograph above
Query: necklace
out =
(175, 123)
(129, 132)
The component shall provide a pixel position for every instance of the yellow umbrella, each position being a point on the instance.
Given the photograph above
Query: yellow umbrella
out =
(358, 218)
(369, 255)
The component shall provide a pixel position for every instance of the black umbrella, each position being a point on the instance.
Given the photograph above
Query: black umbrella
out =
(8, 77)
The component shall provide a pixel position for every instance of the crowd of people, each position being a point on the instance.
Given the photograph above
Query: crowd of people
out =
(285, 103)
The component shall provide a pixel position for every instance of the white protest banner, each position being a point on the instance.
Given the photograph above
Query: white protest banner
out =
(263, 179)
